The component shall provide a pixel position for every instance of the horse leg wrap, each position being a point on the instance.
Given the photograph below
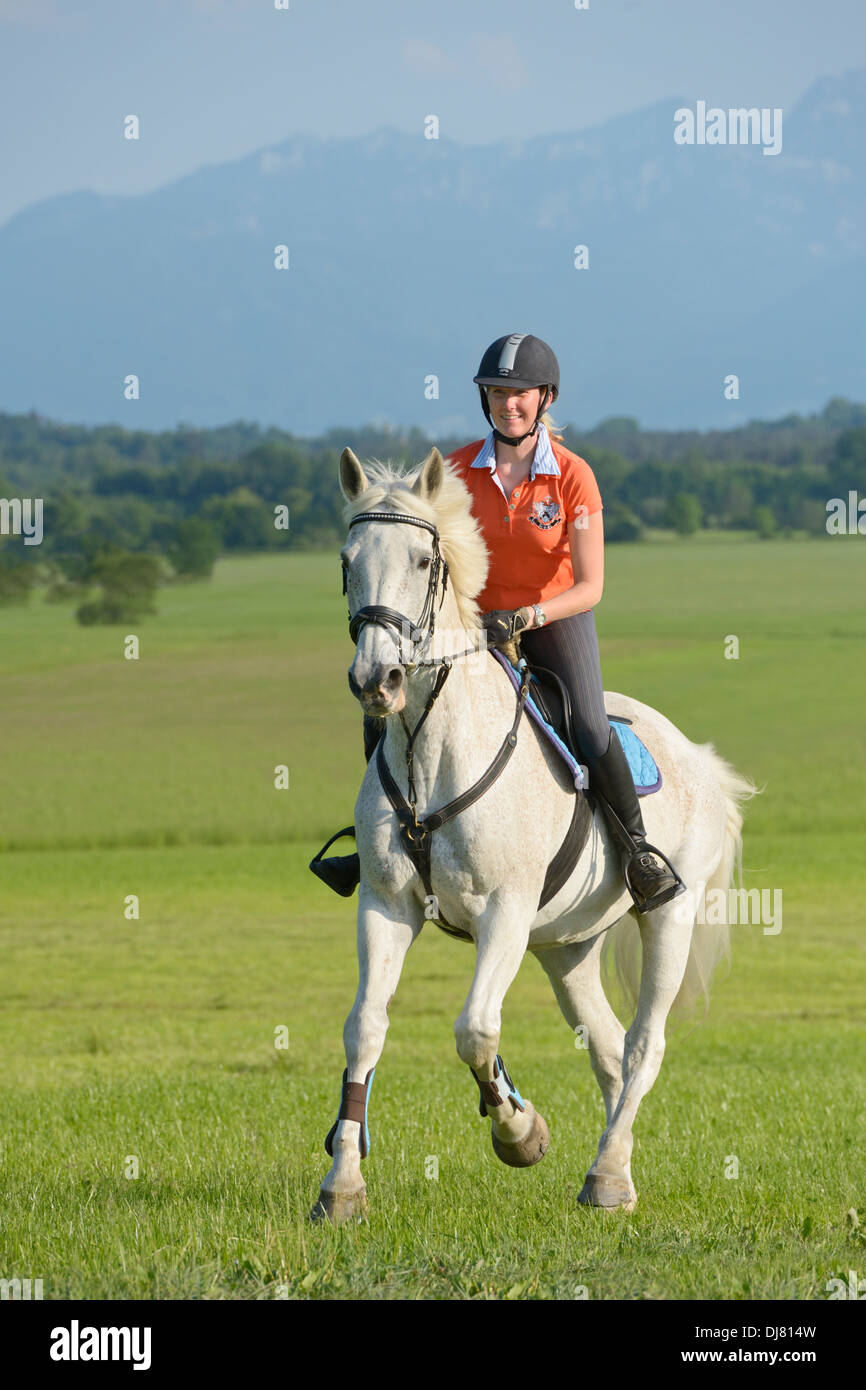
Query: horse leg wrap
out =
(354, 1099)
(494, 1093)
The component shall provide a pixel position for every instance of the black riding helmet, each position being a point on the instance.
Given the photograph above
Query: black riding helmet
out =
(523, 361)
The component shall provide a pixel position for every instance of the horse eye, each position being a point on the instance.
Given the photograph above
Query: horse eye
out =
(424, 563)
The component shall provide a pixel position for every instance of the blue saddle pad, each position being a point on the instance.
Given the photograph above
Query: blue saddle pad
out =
(642, 764)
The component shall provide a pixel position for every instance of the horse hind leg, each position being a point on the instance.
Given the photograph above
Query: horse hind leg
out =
(574, 970)
(665, 938)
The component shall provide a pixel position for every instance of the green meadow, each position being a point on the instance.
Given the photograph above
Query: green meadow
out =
(157, 1144)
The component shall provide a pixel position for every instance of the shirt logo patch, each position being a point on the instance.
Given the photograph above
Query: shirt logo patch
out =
(545, 514)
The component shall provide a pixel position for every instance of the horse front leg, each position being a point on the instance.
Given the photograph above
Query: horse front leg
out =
(518, 1132)
(383, 940)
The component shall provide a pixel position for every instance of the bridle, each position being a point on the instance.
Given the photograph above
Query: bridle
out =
(378, 613)
(417, 632)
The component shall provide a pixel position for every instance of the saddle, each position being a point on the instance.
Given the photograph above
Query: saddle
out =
(549, 706)
(552, 697)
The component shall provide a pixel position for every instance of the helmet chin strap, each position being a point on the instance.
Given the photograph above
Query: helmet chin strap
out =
(508, 438)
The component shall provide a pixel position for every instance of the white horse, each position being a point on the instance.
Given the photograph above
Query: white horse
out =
(488, 863)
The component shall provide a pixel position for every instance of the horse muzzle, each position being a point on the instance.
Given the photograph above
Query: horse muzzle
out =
(383, 692)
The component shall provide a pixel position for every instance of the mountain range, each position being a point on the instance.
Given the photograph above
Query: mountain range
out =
(407, 256)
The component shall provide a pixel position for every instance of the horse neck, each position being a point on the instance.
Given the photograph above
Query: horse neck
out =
(457, 704)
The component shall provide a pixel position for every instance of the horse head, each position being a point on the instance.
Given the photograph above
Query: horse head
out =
(394, 575)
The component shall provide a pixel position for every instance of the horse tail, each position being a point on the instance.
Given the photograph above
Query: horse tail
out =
(711, 941)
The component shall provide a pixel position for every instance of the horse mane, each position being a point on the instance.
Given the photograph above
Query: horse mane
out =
(460, 538)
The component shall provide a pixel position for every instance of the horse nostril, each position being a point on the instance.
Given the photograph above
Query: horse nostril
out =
(394, 679)
(354, 686)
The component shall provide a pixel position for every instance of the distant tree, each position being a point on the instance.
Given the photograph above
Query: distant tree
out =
(811, 516)
(684, 513)
(648, 481)
(62, 590)
(131, 520)
(127, 582)
(610, 469)
(193, 548)
(617, 427)
(65, 521)
(16, 579)
(737, 501)
(653, 512)
(844, 414)
(764, 522)
(199, 481)
(620, 523)
(244, 521)
(132, 480)
(847, 469)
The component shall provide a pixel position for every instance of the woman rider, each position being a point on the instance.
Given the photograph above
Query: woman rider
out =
(539, 509)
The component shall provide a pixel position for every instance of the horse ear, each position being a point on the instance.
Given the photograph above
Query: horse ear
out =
(429, 480)
(353, 479)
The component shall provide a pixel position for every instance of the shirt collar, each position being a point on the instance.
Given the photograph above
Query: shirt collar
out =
(543, 462)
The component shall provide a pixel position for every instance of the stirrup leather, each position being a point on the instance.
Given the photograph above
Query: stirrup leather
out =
(349, 830)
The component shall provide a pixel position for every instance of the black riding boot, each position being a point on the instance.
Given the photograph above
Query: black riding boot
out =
(343, 872)
(650, 877)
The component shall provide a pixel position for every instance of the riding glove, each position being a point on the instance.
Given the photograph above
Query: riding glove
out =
(504, 624)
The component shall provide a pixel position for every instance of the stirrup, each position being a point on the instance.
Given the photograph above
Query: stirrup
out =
(629, 847)
(340, 872)
(665, 895)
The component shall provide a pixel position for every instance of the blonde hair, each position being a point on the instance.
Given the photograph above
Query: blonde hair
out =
(552, 427)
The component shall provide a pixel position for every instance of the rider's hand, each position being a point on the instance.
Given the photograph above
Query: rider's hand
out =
(524, 618)
(504, 624)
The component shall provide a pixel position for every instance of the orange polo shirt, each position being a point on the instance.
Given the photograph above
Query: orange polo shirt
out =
(526, 533)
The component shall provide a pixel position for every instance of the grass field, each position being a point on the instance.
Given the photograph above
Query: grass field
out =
(147, 1045)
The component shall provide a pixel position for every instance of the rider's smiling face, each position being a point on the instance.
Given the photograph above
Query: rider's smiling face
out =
(514, 411)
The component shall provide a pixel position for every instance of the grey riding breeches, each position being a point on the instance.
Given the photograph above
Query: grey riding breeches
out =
(569, 646)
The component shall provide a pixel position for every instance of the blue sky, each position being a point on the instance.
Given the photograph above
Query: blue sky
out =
(212, 80)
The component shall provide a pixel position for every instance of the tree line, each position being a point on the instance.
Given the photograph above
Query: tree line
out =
(126, 510)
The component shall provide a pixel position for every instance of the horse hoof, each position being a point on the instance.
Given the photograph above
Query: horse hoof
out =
(612, 1194)
(340, 1207)
(528, 1150)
